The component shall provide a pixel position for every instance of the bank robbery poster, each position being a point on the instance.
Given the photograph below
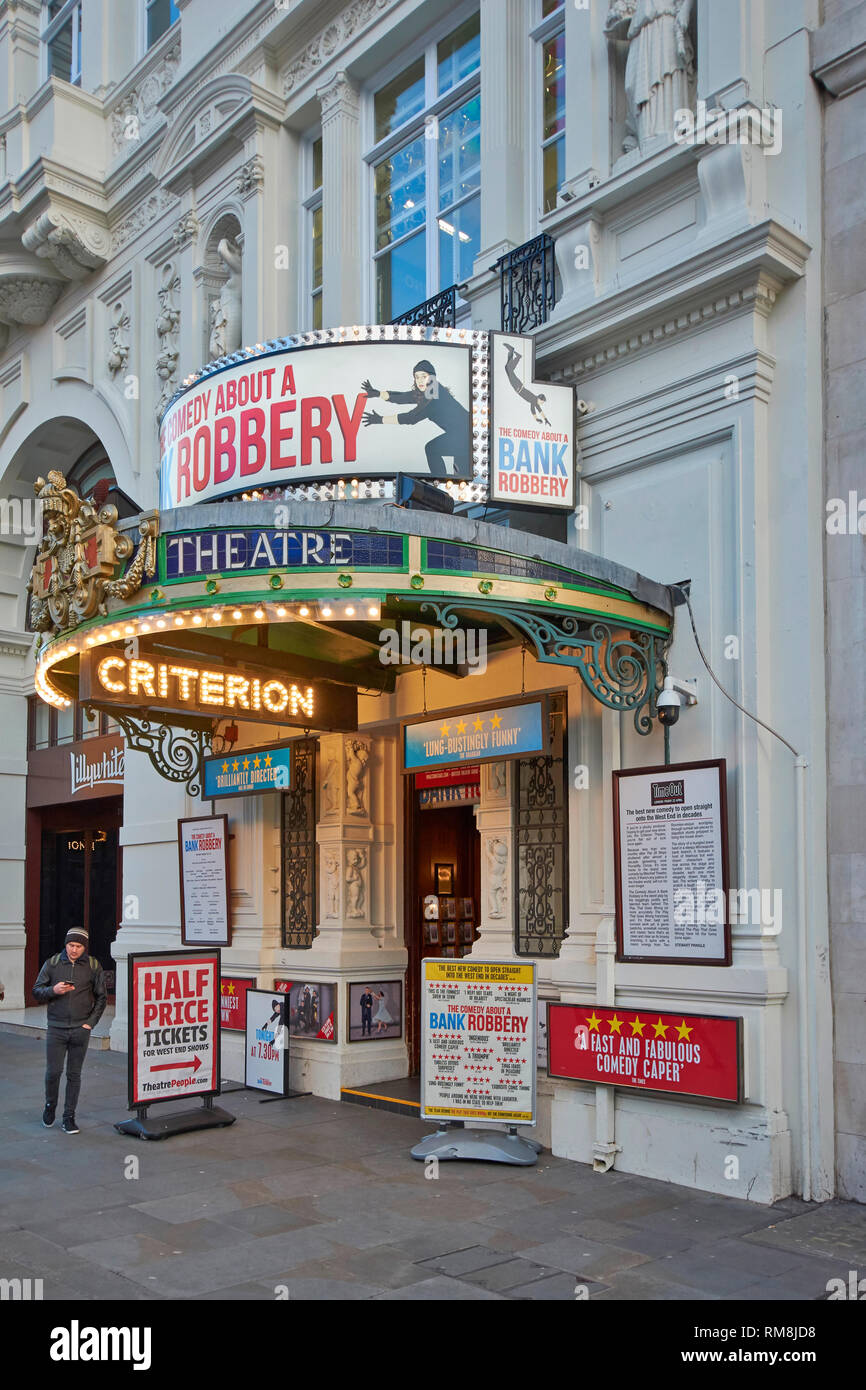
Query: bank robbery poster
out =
(532, 434)
(204, 880)
(266, 1043)
(478, 1041)
(305, 415)
(174, 1025)
(689, 1055)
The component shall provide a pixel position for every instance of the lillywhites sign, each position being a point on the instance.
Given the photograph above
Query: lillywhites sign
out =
(215, 691)
(250, 771)
(302, 415)
(485, 735)
(87, 772)
(691, 1055)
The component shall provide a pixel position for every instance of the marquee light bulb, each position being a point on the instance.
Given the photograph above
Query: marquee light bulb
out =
(160, 622)
(259, 614)
(282, 612)
(115, 632)
(304, 611)
(178, 622)
(350, 612)
(237, 615)
(198, 619)
(327, 612)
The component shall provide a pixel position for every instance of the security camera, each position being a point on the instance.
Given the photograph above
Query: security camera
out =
(584, 407)
(675, 694)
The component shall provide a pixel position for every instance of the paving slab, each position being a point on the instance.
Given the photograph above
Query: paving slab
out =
(438, 1290)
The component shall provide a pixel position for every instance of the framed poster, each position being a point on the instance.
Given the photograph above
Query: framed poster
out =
(203, 855)
(266, 1043)
(670, 842)
(697, 1055)
(233, 1002)
(532, 429)
(467, 933)
(431, 933)
(375, 1011)
(312, 1011)
(478, 1040)
(174, 1025)
(248, 772)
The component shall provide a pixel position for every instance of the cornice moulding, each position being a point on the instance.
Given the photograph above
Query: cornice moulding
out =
(838, 52)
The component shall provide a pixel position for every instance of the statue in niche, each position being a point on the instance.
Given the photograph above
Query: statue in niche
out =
(660, 67)
(357, 758)
(497, 864)
(497, 778)
(356, 863)
(226, 315)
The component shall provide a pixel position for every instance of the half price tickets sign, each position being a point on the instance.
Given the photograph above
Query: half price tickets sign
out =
(174, 1025)
(478, 1059)
(689, 1055)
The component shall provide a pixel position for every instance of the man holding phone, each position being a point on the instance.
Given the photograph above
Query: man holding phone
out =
(74, 990)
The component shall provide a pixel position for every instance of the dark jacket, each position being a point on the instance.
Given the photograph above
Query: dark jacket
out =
(70, 1010)
(442, 409)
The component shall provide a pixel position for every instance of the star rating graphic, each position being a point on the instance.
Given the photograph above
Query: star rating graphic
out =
(660, 1029)
(637, 1025)
(268, 760)
(683, 1031)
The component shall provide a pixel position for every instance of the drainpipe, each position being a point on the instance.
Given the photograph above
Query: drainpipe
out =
(605, 1149)
(806, 955)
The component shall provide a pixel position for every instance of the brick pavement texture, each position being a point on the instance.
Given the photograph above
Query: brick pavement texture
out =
(310, 1199)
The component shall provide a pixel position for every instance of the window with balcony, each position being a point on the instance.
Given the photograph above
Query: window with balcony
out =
(61, 39)
(426, 167)
(313, 215)
(550, 60)
(161, 15)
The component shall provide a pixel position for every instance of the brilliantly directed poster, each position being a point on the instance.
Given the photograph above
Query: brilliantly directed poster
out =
(671, 864)
(494, 734)
(478, 1041)
(312, 1011)
(266, 1043)
(692, 1054)
(233, 1002)
(174, 1025)
(532, 435)
(248, 772)
(204, 880)
(303, 415)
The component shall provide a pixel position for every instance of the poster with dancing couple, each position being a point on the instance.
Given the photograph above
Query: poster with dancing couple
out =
(532, 429)
(375, 1010)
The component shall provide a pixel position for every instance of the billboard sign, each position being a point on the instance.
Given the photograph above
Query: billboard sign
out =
(472, 736)
(266, 1049)
(532, 432)
(174, 1025)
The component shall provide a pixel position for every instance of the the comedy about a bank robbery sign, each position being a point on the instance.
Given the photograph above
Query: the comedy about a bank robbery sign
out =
(488, 735)
(203, 852)
(688, 1055)
(478, 1053)
(532, 435)
(174, 1025)
(351, 410)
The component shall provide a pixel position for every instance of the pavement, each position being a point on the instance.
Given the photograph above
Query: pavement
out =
(314, 1199)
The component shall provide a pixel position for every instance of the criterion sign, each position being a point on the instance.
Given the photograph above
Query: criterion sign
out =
(478, 1047)
(174, 1025)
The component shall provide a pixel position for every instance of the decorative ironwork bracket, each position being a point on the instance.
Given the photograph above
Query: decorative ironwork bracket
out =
(176, 754)
(624, 671)
(438, 312)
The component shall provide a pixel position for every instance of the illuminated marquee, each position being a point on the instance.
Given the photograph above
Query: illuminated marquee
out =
(149, 681)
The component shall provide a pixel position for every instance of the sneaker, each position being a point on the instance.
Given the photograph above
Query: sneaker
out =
(48, 1117)
(69, 1126)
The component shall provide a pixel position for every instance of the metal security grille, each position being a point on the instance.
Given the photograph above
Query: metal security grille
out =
(542, 844)
(298, 843)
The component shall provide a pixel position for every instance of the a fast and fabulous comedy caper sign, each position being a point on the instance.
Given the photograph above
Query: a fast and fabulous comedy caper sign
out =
(302, 414)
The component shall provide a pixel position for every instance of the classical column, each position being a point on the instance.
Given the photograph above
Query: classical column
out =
(496, 823)
(341, 200)
(504, 125)
(345, 834)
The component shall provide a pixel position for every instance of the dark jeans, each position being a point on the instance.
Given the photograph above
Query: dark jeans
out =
(67, 1045)
(451, 444)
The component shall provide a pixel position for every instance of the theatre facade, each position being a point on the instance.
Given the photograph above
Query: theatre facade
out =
(387, 590)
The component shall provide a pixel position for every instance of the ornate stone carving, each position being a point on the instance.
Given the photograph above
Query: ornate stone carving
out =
(332, 884)
(356, 886)
(119, 334)
(330, 40)
(141, 105)
(357, 759)
(185, 230)
(497, 866)
(251, 176)
(141, 219)
(75, 245)
(339, 97)
(73, 574)
(331, 786)
(226, 312)
(168, 332)
(28, 299)
(660, 66)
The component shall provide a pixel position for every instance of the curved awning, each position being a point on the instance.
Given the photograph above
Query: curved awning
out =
(309, 587)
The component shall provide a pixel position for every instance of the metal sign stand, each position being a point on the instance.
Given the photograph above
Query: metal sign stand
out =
(491, 1146)
(210, 1116)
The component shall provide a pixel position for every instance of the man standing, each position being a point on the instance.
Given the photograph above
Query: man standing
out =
(367, 1013)
(74, 990)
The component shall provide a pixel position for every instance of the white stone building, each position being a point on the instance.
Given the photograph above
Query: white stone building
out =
(178, 180)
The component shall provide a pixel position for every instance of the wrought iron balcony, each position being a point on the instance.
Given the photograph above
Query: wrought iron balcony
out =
(438, 312)
(528, 284)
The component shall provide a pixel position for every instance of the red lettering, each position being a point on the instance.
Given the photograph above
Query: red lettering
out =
(201, 981)
(252, 439)
(318, 430)
(224, 448)
(288, 386)
(203, 1008)
(281, 434)
(183, 482)
(350, 424)
(201, 466)
(149, 1013)
(244, 391)
(164, 1015)
(231, 395)
(172, 985)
